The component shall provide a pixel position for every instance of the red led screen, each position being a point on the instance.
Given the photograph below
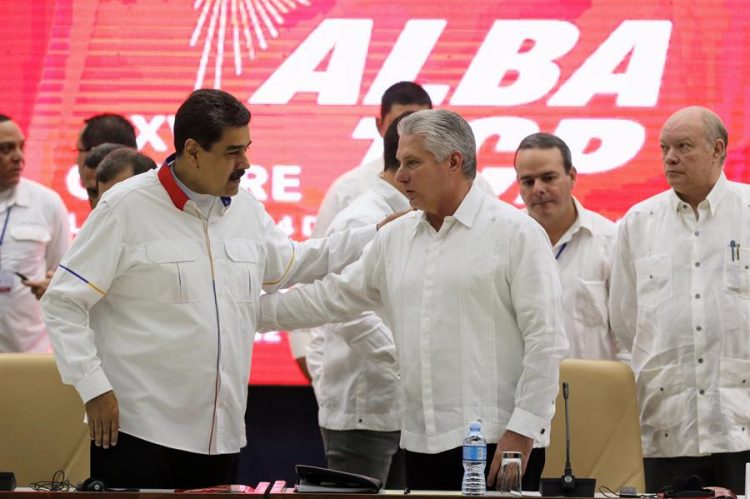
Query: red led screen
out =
(602, 74)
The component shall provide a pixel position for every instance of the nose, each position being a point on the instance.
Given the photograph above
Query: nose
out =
(18, 155)
(538, 187)
(402, 176)
(670, 157)
(244, 160)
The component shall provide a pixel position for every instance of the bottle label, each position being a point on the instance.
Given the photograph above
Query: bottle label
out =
(475, 453)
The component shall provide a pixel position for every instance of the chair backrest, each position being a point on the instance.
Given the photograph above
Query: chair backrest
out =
(41, 421)
(605, 432)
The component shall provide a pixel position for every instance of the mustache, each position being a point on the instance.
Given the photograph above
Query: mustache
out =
(237, 174)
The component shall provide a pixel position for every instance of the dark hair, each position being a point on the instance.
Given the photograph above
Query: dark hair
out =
(4, 118)
(98, 153)
(204, 116)
(404, 93)
(390, 143)
(547, 141)
(104, 128)
(118, 160)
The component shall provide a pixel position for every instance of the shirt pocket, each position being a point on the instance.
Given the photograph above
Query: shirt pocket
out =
(175, 276)
(734, 390)
(653, 280)
(591, 303)
(737, 271)
(663, 397)
(32, 233)
(243, 263)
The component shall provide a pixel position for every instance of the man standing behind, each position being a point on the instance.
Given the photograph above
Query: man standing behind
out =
(120, 165)
(399, 98)
(582, 242)
(152, 312)
(100, 129)
(354, 374)
(34, 234)
(471, 291)
(680, 302)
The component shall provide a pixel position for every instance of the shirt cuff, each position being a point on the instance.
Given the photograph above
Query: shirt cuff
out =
(93, 385)
(529, 425)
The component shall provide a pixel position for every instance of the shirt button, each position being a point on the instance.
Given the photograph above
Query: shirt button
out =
(700, 361)
(697, 295)
(697, 264)
(698, 328)
(702, 392)
(684, 207)
(697, 233)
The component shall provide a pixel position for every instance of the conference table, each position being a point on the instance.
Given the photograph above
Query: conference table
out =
(277, 493)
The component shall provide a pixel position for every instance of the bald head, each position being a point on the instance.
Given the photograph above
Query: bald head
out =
(713, 126)
(693, 146)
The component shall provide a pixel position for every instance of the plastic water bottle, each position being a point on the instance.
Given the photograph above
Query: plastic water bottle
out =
(475, 459)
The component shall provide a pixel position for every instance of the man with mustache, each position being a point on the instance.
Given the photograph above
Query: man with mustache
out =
(34, 235)
(582, 242)
(470, 290)
(152, 312)
(680, 302)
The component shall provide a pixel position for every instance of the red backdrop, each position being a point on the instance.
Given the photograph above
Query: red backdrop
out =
(602, 74)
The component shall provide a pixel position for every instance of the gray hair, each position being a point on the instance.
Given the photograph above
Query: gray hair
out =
(715, 130)
(444, 132)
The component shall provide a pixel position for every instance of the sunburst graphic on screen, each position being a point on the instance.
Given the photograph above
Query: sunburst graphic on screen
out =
(246, 24)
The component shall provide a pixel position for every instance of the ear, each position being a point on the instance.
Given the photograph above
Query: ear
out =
(455, 162)
(191, 151)
(379, 125)
(573, 174)
(719, 148)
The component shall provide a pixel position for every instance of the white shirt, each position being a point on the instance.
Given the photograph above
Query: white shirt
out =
(680, 301)
(36, 236)
(584, 255)
(476, 314)
(344, 190)
(357, 384)
(168, 316)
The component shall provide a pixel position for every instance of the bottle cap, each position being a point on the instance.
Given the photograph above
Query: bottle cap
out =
(475, 426)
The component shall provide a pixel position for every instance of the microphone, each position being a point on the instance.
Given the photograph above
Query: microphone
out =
(567, 485)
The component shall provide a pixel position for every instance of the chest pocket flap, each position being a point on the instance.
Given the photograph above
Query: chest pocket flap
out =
(243, 261)
(35, 233)
(170, 252)
(241, 251)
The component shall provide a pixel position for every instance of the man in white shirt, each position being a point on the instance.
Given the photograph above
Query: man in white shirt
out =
(34, 234)
(97, 130)
(356, 384)
(399, 98)
(470, 290)
(680, 302)
(152, 312)
(582, 242)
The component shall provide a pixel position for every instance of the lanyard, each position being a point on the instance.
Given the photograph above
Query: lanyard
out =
(5, 225)
(560, 251)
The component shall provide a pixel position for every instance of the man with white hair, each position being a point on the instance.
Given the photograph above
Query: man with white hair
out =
(470, 289)
(680, 302)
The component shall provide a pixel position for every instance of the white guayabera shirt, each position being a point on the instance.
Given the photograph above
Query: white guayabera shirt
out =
(680, 301)
(476, 313)
(584, 255)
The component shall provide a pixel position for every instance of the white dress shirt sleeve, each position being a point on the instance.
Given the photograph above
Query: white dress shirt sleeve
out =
(537, 298)
(336, 298)
(289, 262)
(60, 235)
(94, 256)
(623, 301)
